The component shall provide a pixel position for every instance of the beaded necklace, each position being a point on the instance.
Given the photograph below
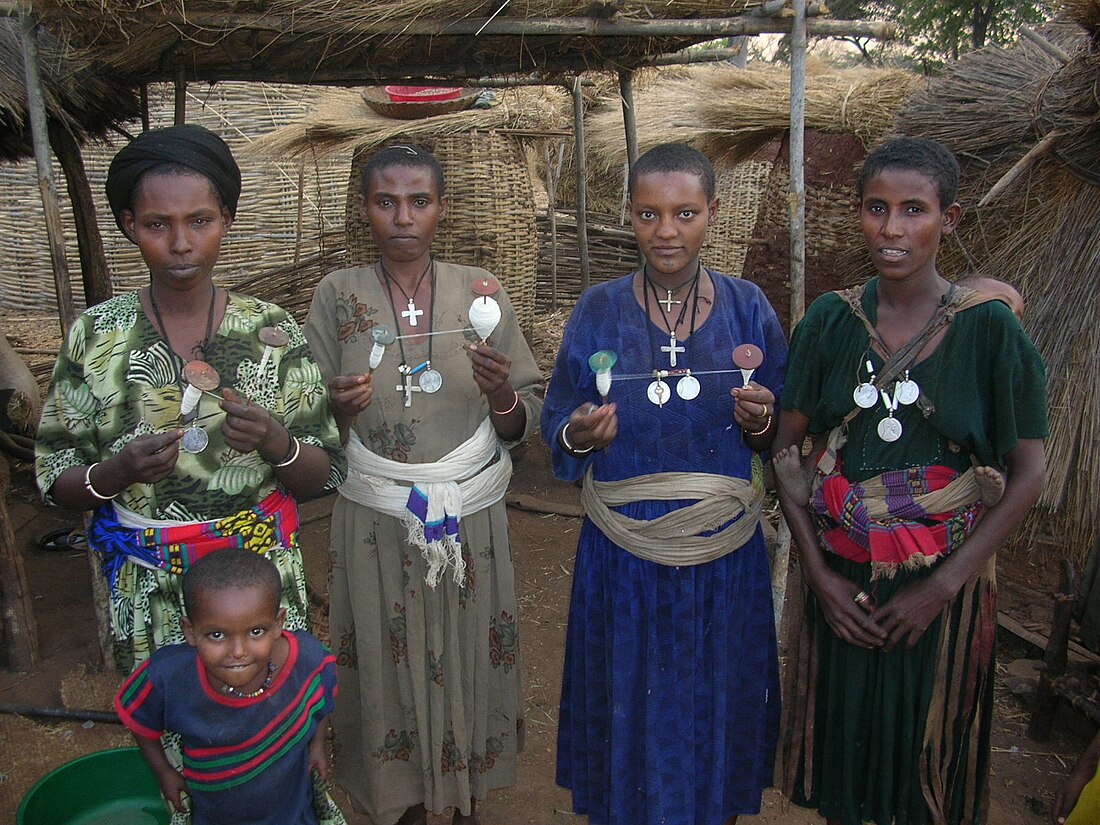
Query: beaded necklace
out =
(252, 694)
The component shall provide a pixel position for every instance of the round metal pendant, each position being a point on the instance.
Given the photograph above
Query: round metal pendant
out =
(688, 387)
(658, 392)
(865, 396)
(194, 440)
(430, 381)
(907, 392)
(889, 429)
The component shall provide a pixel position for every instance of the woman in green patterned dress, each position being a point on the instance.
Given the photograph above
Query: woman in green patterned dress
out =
(167, 488)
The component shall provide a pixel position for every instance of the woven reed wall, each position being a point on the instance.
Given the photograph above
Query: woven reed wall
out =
(832, 223)
(491, 218)
(612, 250)
(285, 211)
(729, 237)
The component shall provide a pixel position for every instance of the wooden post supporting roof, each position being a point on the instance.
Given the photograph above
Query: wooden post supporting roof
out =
(36, 109)
(797, 163)
(582, 191)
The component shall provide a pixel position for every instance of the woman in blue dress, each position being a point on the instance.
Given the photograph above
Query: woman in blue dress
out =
(670, 696)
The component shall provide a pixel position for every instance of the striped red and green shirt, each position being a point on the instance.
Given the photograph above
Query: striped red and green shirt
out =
(244, 760)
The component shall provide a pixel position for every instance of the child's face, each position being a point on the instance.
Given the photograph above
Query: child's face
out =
(234, 631)
(669, 212)
(903, 223)
(178, 225)
(403, 208)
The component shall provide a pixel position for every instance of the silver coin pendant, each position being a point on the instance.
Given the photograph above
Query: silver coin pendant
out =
(688, 387)
(907, 392)
(430, 381)
(194, 440)
(889, 429)
(658, 392)
(865, 395)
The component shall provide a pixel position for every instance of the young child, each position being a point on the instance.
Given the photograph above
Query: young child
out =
(899, 568)
(249, 700)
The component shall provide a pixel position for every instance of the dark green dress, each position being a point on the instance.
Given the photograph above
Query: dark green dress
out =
(890, 737)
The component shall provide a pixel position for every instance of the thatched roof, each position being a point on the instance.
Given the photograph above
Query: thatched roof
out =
(354, 41)
(1027, 111)
(79, 96)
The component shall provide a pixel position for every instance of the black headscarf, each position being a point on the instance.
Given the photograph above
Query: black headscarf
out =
(190, 145)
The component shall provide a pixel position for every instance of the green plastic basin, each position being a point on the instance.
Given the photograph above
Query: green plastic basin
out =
(112, 787)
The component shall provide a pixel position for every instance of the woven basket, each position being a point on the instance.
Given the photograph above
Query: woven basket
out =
(380, 102)
(739, 189)
(491, 218)
(832, 223)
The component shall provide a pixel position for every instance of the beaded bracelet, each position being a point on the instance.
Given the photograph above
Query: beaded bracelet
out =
(88, 484)
(292, 454)
(515, 403)
(569, 448)
(767, 426)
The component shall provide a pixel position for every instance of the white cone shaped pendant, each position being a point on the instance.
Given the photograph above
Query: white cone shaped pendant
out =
(484, 316)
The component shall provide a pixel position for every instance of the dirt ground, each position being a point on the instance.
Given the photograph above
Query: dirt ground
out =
(1025, 773)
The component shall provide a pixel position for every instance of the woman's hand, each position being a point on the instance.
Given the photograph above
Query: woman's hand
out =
(909, 612)
(592, 427)
(349, 395)
(248, 427)
(857, 625)
(147, 459)
(491, 371)
(753, 406)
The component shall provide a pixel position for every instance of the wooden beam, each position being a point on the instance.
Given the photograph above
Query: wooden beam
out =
(180, 88)
(582, 190)
(16, 603)
(797, 164)
(626, 92)
(93, 261)
(36, 110)
(203, 26)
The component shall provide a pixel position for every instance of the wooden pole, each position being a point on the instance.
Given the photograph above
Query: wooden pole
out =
(36, 109)
(626, 92)
(181, 95)
(144, 107)
(16, 605)
(89, 241)
(797, 193)
(582, 191)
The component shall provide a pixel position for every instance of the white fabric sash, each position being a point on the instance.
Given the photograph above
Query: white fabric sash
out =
(466, 480)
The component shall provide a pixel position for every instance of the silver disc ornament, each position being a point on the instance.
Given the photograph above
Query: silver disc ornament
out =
(658, 392)
(688, 387)
(194, 440)
(889, 429)
(907, 391)
(430, 380)
(865, 395)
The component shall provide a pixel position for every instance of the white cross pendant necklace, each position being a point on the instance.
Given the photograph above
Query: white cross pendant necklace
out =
(672, 348)
(412, 313)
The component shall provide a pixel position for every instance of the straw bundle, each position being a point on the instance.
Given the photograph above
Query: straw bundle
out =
(341, 122)
(1038, 235)
(323, 41)
(86, 100)
(285, 211)
(729, 113)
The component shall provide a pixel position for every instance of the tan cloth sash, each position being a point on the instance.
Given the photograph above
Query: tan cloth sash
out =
(673, 539)
(962, 491)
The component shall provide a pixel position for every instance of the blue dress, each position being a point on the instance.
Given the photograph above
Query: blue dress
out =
(670, 692)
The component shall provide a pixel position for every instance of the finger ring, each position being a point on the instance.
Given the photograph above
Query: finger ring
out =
(763, 410)
(862, 598)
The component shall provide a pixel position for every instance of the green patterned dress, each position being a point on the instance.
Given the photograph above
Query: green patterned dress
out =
(117, 378)
(430, 704)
